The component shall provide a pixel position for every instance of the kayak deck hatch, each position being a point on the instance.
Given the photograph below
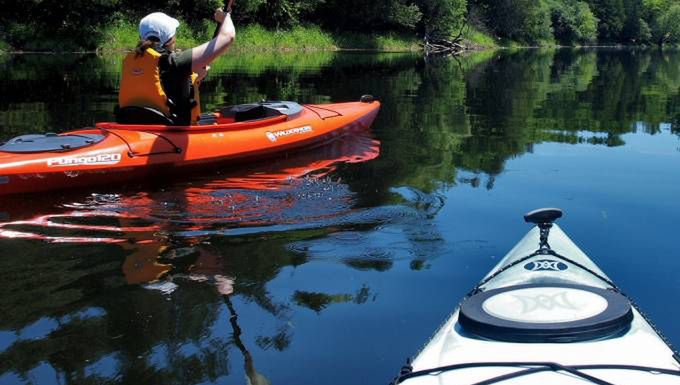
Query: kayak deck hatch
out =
(49, 142)
(540, 313)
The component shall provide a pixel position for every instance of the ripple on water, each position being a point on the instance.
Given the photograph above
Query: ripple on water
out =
(298, 247)
(428, 232)
(375, 238)
(373, 259)
(78, 226)
(95, 201)
(348, 236)
(428, 203)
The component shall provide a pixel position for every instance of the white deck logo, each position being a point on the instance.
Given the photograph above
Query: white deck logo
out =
(546, 265)
(547, 302)
(84, 160)
(275, 135)
(544, 304)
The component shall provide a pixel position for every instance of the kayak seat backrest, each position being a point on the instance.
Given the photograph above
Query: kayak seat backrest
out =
(246, 112)
(291, 109)
(49, 143)
(206, 119)
(263, 110)
(141, 115)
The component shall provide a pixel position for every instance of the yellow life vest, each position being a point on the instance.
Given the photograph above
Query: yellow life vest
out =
(141, 85)
(196, 109)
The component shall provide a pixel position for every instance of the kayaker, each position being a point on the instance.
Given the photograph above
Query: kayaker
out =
(155, 75)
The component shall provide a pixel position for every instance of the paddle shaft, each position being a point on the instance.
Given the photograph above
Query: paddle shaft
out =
(219, 25)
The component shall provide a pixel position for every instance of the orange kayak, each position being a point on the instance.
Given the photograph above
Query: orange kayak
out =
(114, 153)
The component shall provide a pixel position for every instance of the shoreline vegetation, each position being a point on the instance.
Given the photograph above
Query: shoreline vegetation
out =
(122, 37)
(432, 26)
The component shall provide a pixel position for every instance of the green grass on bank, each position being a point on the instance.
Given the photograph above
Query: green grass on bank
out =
(380, 42)
(475, 38)
(120, 35)
(123, 35)
(313, 38)
(300, 38)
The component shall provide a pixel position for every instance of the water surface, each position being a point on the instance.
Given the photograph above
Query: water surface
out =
(332, 266)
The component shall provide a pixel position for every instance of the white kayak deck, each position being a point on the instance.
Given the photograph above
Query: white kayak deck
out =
(640, 345)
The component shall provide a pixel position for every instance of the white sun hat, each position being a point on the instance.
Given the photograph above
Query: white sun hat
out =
(158, 25)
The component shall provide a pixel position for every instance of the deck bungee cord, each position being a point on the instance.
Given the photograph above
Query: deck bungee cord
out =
(532, 368)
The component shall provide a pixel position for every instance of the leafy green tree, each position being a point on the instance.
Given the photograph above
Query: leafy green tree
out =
(659, 21)
(635, 29)
(192, 11)
(586, 23)
(284, 13)
(369, 16)
(573, 22)
(523, 20)
(41, 25)
(668, 27)
(612, 16)
(442, 17)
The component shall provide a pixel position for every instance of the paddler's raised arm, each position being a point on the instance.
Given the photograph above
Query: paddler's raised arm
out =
(205, 53)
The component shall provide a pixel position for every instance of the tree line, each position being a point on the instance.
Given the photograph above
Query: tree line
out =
(533, 22)
(602, 21)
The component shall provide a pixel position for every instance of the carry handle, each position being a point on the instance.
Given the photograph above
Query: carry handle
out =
(543, 216)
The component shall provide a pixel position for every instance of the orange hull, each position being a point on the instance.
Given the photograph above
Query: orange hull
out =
(134, 152)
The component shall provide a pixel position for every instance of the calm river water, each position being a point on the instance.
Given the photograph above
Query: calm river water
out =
(334, 265)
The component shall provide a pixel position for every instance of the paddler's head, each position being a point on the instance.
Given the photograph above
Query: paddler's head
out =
(159, 27)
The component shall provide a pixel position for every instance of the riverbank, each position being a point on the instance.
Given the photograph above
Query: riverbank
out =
(122, 35)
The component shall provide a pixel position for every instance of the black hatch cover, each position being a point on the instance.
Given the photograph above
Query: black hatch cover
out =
(545, 313)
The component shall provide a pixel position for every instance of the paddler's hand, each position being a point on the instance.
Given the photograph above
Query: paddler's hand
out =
(220, 15)
(202, 73)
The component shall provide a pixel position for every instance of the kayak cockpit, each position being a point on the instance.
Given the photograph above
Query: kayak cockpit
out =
(262, 110)
(241, 116)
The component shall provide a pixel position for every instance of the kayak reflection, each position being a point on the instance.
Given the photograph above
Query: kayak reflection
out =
(262, 193)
